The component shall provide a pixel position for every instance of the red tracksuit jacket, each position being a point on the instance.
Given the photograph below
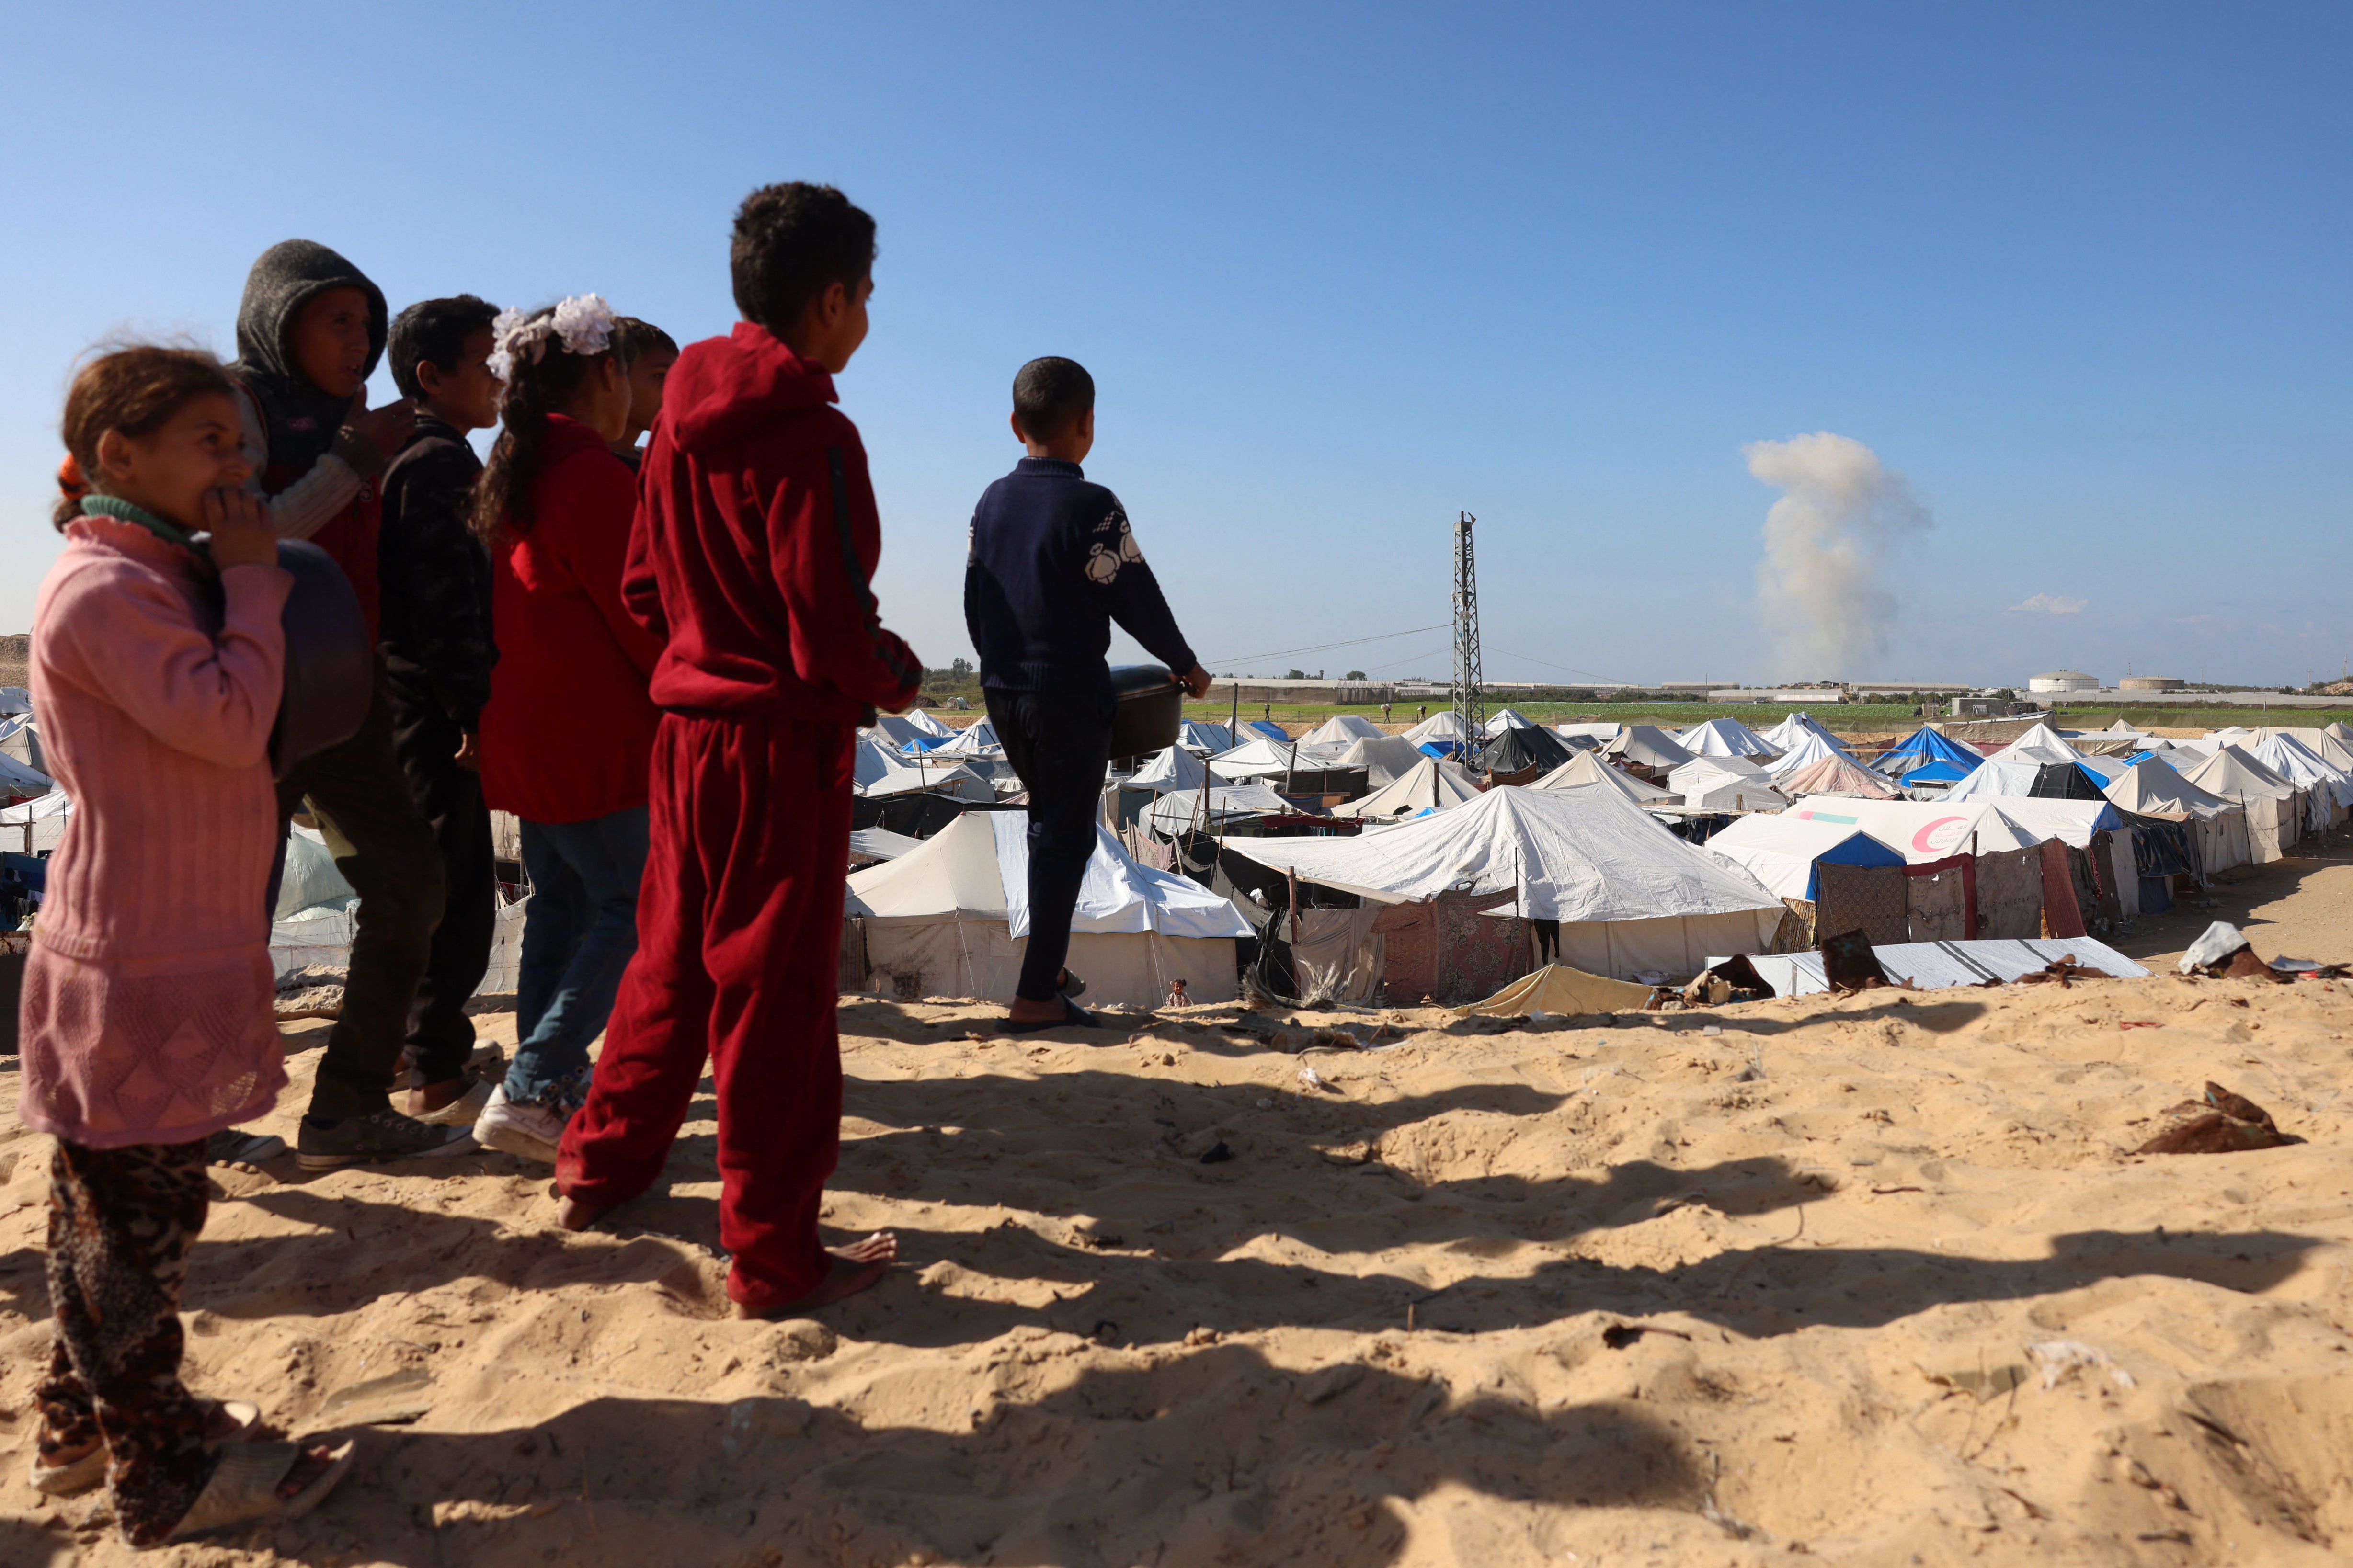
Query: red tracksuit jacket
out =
(755, 536)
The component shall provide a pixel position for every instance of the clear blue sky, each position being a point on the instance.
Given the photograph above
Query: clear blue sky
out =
(2079, 273)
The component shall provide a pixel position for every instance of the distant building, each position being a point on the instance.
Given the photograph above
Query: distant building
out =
(2152, 683)
(2063, 680)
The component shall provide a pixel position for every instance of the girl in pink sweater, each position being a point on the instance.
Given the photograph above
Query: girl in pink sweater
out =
(145, 1019)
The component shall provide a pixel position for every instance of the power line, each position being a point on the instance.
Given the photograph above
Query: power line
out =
(1325, 647)
(1564, 669)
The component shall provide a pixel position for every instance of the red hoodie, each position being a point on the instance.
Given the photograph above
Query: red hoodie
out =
(569, 729)
(756, 534)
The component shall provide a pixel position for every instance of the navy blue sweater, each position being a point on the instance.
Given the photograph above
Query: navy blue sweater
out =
(1052, 565)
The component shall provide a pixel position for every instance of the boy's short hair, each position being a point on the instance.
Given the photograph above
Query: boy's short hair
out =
(434, 331)
(791, 241)
(639, 339)
(1050, 394)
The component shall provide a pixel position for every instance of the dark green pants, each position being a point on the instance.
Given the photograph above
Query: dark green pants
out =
(390, 858)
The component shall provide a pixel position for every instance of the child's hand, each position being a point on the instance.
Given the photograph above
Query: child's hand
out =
(388, 428)
(239, 524)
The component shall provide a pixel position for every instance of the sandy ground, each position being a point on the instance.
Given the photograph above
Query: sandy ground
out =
(1690, 1289)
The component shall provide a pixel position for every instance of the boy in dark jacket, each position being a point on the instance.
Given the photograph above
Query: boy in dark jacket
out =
(308, 332)
(756, 535)
(1052, 563)
(434, 583)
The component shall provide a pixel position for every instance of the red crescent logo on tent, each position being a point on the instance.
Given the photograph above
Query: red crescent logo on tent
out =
(1920, 839)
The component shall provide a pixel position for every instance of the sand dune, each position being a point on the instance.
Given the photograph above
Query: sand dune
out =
(1628, 1291)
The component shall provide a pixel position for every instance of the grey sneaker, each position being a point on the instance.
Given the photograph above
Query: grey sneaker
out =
(377, 1139)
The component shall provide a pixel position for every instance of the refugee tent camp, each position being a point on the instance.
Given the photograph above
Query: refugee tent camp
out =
(870, 760)
(2274, 806)
(1630, 896)
(957, 779)
(37, 825)
(898, 731)
(1442, 728)
(1928, 756)
(1785, 853)
(1385, 758)
(1340, 729)
(2327, 790)
(16, 700)
(2023, 777)
(1719, 784)
(1435, 783)
(1804, 752)
(1204, 740)
(1835, 776)
(1266, 727)
(2041, 744)
(952, 919)
(1924, 830)
(1585, 768)
(1725, 738)
(1783, 736)
(1259, 756)
(1600, 732)
(977, 739)
(1520, 756)
(1648, 746)
(1508, 719)
(20, 742)
(2218, 827)
(1228, 807)
(868, 844)
(19, 782)
(1175, 768)
(927, 724)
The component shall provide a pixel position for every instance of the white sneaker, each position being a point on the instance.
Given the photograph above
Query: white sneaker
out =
(529, 1131)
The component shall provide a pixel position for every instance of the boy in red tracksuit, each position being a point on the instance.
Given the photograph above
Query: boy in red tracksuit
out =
(755, 537)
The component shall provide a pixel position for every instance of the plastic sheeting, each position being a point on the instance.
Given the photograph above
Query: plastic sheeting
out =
(1707, 783)
(1725, 738)
(1556, 988)
(1175, 768)
(1341, 728)
(1785, 736)
(1936, 965)
(1585, 768)
(1385, 758)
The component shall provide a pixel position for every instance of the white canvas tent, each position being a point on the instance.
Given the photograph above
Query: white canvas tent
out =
(1385, 758)
(952, 919)
(925, 722)
(1585, 768)
(953, 778)
(1265, 755)
(2218, 827)
(1804, 751)
(2327, 790)
(1647, 744)
(1175, 768)
(1723, 738)
(1836, 776)
(38, 825)
(977, 739)
(1796, 726)
(16, 700)
(1712, 783)
(2274, 806)
(1204, 740)
(1441, 726)
(1434, 783)
(1508, 719)
(1182, 811)
(1784, 852)
(1340, 729)
(1927, 830)
(1631, 897)
(2039, 744)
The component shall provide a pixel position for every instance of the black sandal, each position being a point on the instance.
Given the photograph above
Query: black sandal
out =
(1073, 1017)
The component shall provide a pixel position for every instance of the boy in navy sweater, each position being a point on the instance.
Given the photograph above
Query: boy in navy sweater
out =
(1052, 565)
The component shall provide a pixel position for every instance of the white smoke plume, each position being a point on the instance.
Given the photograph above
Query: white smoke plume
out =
(1823, 584)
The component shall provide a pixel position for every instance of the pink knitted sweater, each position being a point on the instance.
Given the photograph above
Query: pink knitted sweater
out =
(146, 1013)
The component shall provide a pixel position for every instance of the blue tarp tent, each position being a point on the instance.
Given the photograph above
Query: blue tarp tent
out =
(1270, 730)
(1929, 757)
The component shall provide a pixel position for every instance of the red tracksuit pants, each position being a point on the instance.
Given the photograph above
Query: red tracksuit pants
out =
(739, 936)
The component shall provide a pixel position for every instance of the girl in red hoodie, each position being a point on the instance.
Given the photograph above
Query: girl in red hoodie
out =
(568, 729)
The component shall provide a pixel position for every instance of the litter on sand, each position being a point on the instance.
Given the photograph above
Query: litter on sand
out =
(2061, 1359)
(2220, 1123)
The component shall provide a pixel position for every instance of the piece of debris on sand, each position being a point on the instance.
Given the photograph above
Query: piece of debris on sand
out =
(2222, 1124)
